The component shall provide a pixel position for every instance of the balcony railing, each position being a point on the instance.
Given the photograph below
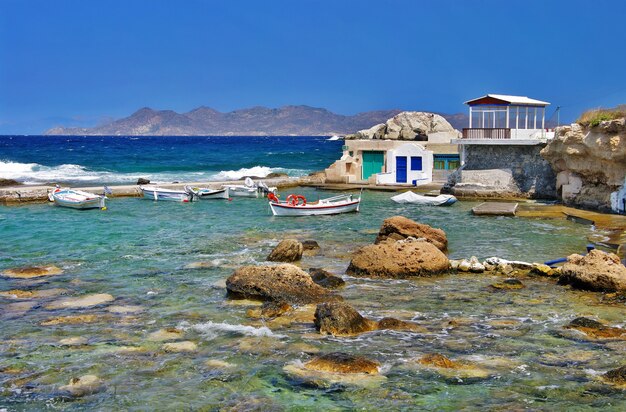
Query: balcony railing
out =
(487, 133)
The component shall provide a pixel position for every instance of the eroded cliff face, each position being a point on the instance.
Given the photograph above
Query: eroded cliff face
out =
(590, 163)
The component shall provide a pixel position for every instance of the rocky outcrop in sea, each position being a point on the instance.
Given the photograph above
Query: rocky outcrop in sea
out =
(406, 126)
(590, 162)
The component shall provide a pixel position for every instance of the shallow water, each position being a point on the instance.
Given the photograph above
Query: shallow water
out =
(138, 251)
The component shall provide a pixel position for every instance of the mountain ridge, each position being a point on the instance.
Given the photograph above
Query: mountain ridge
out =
(299, 120)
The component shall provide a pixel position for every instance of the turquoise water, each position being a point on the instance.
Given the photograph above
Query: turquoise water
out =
(139, 251)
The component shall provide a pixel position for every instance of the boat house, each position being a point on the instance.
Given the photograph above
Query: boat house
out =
(500, 148)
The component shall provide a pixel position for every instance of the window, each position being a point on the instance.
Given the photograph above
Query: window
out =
(416, 162)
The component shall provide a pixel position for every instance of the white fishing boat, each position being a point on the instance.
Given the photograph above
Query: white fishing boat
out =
(77, 199)
(249, 189)
(296, 205)
(158, 193)
(413, 198)
(207, 193)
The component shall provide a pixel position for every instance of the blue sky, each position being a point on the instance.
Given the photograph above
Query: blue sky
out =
(78, 62)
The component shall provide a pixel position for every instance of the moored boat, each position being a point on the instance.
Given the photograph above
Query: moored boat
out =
(77, 199)
(158, 193)
(249, 189)
(207, 193)
(414, 198)
(296, 205)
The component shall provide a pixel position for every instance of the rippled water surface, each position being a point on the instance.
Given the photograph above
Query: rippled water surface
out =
(139, 252)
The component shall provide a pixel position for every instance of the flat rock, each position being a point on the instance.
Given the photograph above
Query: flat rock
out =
(339, 362)
(219, 364)
(288, 250)
(32, 294)
(400, 227)
(124, 309)
(508, 284)
(73, 341)
(597, 271)
(85, 301)
(85, 385)
(617, 376)
(71, 320)
(30, 272)
(453, 369)
(269, 310)
(400, 325)
(162, 335)
(177, 347)
(283, 282)
(400, 259)
(595, 329)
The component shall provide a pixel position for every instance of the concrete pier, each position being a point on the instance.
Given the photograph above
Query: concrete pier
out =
(495, 209)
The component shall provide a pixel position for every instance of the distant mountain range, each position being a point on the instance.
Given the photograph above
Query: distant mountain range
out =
(255, 121)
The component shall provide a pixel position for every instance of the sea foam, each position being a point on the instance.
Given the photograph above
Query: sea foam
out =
(211, 330)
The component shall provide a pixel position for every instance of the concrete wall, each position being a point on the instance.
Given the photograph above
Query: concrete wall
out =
(408, 149)
(531, 175)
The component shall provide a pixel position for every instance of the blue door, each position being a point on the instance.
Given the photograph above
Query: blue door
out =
(401, 169)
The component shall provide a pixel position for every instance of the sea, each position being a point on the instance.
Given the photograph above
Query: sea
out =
(165, 264)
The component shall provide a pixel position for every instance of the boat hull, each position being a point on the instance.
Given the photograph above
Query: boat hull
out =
(166, 194)
(213, 194)
(282, 209)
(415, 199)
(78, 200)
(242, 191)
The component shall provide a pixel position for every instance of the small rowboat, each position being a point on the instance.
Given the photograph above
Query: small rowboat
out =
(296, 205)
(241, 191)
(206, 193)
(77, 199)
(158, 193)
(414, 198)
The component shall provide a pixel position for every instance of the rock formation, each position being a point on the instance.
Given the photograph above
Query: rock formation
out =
(590, 163)
(400, 259)
(288, 250)
(407, 126)
(598, 271)
(325, 278)
(399, 227)
(284, 282)
(338, 362)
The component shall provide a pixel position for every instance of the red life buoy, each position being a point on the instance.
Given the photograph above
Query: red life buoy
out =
(272, 197)
(300, 197)
(292, 200)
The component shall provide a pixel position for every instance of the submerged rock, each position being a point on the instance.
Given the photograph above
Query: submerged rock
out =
(85, 385)
(597, 271)
(29, 272)
(341, 319)
(596, 329)
(124, 309)
(269, 310)
(84, 301)
(399, 259)
(72, 320)
(508, 284)
(162, 335)
(283, 282)
(402, 325)
(310, 247)
(288, 250)
(339, 362)
(325, 278)
(453, 369)
(73, 341)
(178, 347)
(617, 376)
(399, 227)
(32, 294)
(539, 269)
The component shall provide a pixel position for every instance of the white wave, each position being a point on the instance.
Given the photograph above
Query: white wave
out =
(34, 173)
(335, 137)
(258, 171)
(210, 330)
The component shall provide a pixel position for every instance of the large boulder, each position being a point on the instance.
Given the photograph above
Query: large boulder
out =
(400, 259)
(341, 319)
(400, 227)
(408, 126)
(288, 250)
(284, 282)
(597, 271)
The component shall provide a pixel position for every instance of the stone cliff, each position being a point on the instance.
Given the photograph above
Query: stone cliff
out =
(590, 162)
(407, 126)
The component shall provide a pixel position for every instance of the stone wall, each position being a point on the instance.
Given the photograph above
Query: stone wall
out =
(504, 170)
